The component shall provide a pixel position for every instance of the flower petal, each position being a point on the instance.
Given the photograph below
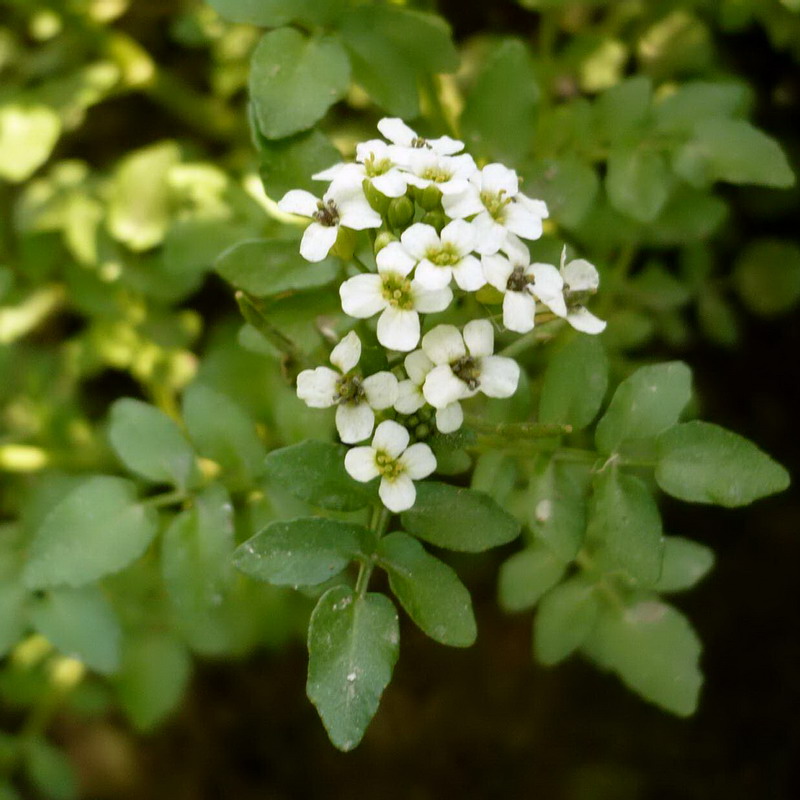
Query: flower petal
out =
(442, 387)
(347, 353)
(497, 270)
(479, 337)
(298, 201)
(317, 241)
(392, 183)
(360, 464)
(583, 320)
(444, 344)
(468, 274)
(398, 495)
(394, 258)
(431, 277)
(317, 387)
(391, 438)
(354, 422)
(396, 131)
(548, 286)
(445, 146)
(460, 235)
(499, 376)
(497, 178)
(380, 389)
(521, 220)
(490, 236)
(409, 397)
(362, 296)
(428, 301)
(519, 310)
(417, 365)
(330, 173)
(398, 329)
(450, 418)
(462, 204)
(419, 461)
(419, 239)
(581, 276)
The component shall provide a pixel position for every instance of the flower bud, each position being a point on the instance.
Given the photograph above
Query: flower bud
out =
(345, 244)
(382, 239)
(422, 431)
(425, 413)
(401, 212)
(430, 198)
(377, 200)
(435, 218)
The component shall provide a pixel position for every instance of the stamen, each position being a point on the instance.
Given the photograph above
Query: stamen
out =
(327, 214)
(467, 369)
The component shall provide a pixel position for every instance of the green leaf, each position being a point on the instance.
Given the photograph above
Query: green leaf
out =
(155, 672)
(391, 48)
(428, 590)
(274, 13)
(353, 644)
(289, 163)
(499, 117)
(266, 267)
(495, 474)
(527, 575)
(653, 649)
(638, 181)
(295, 79)
(564, 619)
(151, 444)
(223, 432)
(568, 185)
(28, 135)
(82, 624)
(458, 519)
(685, 564)
(50, 771)
(97, 529)
(645, 404)
(767, 276)
(679, 112)
(625, 526)
(314, 471)
(139, 203)
(13, 595)
(300, 552)
(734, 151)
(623, 110)
(196, 554)
(575, 383)
(702, 463)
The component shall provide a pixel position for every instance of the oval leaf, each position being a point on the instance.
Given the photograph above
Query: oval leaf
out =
(353, 644)
(97, 529)
(686, 563)
(428, 590)
(527, 575)
(703, 463)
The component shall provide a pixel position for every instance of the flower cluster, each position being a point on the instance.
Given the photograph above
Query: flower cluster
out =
(440, 227)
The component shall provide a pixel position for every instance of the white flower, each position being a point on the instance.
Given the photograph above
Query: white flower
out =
(442, 256)
(398, 465)
(522, 283)
(399, 298)
(449, 174)
(354, 397)
(375, 163)
(410, 398)
(493, 196)
(343, 204)
(580, 279)
(464, 364)
(405, 141)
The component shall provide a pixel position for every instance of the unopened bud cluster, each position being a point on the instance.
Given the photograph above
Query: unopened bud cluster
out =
(441, 227)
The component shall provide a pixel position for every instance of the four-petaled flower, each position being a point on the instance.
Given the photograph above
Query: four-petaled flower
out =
(493, 197)
(397, 464)
(440, 256)
(522, 283)
(356, 398)
(376, 164)
(410, 398)
(343, 204)
(464, 364)
(399, 298)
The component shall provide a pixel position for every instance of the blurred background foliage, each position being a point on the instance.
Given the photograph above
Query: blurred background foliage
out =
(662, 135)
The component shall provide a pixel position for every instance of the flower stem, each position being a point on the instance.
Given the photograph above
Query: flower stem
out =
(517, 430)
(378, 525)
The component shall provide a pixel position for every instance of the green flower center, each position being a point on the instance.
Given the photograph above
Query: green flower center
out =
(327, 214)
(389, 468)
(375, 167)
(495, 203)
(445, 256)
(467, 369)
(350, 391)
(436, 174)
(397, 291)
(518, 281)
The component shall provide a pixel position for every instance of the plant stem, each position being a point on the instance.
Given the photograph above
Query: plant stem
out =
(517, 430)
(378, 525)
(166, 499)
